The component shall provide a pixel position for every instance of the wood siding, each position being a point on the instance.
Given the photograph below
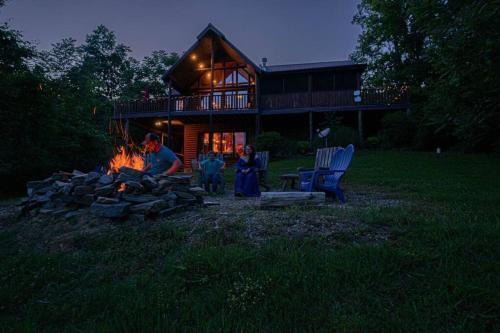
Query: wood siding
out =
(192, 138)
(191, 133)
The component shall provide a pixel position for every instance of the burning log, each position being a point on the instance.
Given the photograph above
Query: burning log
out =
(122, 159)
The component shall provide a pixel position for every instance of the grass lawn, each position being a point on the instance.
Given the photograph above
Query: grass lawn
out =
(435, 267)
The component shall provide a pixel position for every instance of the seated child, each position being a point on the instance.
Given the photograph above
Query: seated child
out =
(211, 171)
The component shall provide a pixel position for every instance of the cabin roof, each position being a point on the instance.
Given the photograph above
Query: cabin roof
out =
(312, 66)
(210, 30)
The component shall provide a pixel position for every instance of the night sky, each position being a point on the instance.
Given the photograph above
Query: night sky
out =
(292, 31)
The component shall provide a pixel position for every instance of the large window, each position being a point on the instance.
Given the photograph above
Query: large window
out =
(227, 143)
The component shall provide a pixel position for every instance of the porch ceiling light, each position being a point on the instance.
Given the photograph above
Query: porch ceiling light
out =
(174, 122)
(193, 56)
(200, 65)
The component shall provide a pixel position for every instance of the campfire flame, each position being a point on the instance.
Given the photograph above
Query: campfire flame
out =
(122, 158)
(122, 187)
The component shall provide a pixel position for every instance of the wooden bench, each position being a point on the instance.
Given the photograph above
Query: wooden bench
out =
(289, 180)
(284, 199)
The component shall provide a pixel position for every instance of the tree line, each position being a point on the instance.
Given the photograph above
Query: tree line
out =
(448, 54)
(56, 105)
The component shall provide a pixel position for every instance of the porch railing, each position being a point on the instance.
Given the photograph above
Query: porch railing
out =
(337, 98)
(244, 101)
(241, 101)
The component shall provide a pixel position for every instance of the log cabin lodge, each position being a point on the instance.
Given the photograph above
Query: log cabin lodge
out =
(218, 99)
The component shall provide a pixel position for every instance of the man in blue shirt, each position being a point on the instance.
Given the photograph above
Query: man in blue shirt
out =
(160, 159)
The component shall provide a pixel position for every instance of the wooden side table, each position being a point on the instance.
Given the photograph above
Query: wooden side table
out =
(289, 180)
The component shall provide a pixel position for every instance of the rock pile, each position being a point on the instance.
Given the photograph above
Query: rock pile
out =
(126, 193)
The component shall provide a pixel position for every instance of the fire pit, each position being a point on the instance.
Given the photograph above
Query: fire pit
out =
(120, 192)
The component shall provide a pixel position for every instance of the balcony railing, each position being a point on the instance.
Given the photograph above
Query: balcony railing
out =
(245, 101)
(375, 97)
(240, 101)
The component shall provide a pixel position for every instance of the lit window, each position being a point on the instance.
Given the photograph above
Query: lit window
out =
(239, 142)
(216, 142)
(228, 143)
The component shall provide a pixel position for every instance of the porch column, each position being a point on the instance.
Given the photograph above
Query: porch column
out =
(258, 121)
(257, 125)
(309, 102)
(309, 90)
(211, 99)
(169, 126)
(360, 126)
(310, 129)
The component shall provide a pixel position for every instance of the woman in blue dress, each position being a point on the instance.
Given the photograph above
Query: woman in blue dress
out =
(247, 174)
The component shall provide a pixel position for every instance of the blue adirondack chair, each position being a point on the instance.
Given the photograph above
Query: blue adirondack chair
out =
(328, 180)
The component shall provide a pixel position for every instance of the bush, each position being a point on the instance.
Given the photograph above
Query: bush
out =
(271, 141)
(373, 141)
(398, 130)
(343, 136)
(277, 145)
(289, 148)
(302, 147)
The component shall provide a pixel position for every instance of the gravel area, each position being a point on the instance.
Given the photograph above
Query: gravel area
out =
(226, 220)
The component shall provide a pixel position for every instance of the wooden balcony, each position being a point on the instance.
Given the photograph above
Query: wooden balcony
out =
(243, 102)
(189, 103)
(332, 99)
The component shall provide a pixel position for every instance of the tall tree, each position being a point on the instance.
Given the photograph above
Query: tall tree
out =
(64, 57)
(14, 51)
(48, 122)
(448, 53)
(107, 61)
(147, 75)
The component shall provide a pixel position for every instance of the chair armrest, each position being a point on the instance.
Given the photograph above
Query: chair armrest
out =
(326, 172)
(303, 176)
(300, 169)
